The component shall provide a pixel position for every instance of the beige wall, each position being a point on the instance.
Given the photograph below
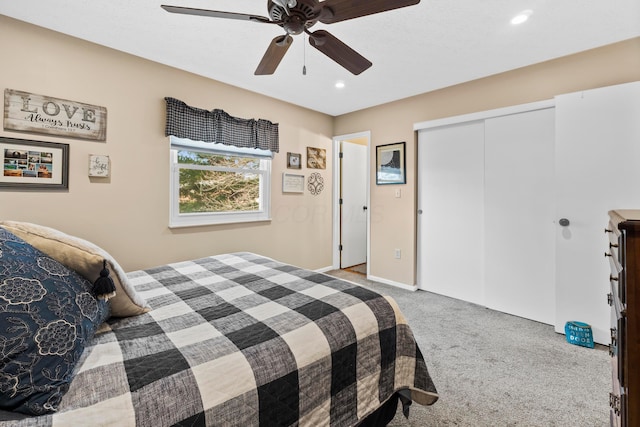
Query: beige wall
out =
(128, 213)
(393, 220)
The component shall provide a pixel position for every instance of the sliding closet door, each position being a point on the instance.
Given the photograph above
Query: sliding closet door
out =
(451, 199)
(519, 215)
(597, 164)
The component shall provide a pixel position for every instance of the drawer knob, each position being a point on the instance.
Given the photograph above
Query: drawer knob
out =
(612, 279)
(607, 254)
(606, 230)
(564, 222)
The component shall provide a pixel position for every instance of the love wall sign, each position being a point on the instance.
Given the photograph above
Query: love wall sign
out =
(28, 112)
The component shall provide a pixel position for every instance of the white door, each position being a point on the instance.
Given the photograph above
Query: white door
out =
(597, 170)
(353, 212)
(519, 215)
(451, 199)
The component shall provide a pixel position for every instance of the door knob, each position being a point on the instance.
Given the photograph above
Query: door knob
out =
(564, 222)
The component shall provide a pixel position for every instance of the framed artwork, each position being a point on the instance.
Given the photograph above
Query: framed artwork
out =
(33, 165)
(99, 165)
(294, 160)
(292, 183)
(33, 113)
(390, 164)
(316, 158)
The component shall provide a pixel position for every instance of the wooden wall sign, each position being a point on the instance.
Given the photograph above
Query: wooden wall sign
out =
(28, 112)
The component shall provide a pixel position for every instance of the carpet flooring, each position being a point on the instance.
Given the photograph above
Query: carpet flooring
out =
(494, 369)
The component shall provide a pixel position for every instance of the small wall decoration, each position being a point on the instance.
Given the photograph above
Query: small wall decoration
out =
(316, 158)
(315, 184)
(390, 164)
(292, 183)
(33, 165)
(294, 161)
(28, 112)
(99, 165)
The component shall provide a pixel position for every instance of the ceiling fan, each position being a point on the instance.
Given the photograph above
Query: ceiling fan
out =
(297, 16)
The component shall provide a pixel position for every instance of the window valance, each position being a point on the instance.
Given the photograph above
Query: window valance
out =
(197, 124)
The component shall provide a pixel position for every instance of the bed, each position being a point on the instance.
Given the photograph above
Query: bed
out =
(228, 340)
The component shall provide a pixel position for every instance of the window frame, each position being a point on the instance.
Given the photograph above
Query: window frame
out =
(177, 219)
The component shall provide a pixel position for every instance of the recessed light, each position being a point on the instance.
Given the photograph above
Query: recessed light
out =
(339, 84)
(521, 17)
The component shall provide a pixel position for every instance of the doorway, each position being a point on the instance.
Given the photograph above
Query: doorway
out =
(351, 202)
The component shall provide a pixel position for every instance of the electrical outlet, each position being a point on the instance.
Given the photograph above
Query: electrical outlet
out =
(398, 193)
(397, 253)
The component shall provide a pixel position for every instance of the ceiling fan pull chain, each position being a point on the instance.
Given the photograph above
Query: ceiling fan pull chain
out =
(304, 58)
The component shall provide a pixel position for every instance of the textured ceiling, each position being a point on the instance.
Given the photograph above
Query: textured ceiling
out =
(417, 49)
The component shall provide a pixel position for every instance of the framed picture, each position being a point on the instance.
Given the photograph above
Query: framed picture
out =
(292, 183)
(390, 164)
(33, 165)
(294, 160)
(99, 166)
(316, 158)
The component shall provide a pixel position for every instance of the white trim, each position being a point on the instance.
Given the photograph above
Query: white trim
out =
(373, 279)
(392, 283)
(336, 194)
(482, 115)
(214, 147)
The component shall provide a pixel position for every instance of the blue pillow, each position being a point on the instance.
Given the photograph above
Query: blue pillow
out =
(47, 315)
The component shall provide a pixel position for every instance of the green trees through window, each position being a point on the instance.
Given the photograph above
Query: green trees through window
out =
(218, 183)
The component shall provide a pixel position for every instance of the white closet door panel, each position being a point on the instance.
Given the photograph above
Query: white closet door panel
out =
(597, 169)
(451, 198)
(354, 200)
(519, 215)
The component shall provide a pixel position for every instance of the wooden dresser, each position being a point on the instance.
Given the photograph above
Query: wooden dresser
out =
(624, 298)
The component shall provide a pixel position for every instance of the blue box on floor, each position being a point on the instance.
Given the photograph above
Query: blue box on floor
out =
(579, 333)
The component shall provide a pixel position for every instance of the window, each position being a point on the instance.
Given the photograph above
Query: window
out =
(218, 184)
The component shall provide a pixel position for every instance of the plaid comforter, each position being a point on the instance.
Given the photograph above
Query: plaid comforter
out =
(243, 340)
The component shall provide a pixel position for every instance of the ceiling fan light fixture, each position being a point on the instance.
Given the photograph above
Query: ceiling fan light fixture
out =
(286, 4)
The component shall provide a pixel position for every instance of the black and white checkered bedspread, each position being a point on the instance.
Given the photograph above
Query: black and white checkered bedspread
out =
(243, 340)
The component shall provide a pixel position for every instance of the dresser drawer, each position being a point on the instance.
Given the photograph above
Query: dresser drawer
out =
(615, 402)
(615, 300)
(617, 408)
(616, 351)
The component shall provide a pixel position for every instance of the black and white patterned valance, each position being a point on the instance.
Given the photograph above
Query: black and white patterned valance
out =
(217, 126)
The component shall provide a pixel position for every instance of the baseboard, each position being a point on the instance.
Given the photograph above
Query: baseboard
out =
(392, 283)
(376, 279)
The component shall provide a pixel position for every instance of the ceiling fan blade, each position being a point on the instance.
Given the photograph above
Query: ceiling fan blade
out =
(216, 14)
(341, 10)
(274, 54)
(328, 44)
